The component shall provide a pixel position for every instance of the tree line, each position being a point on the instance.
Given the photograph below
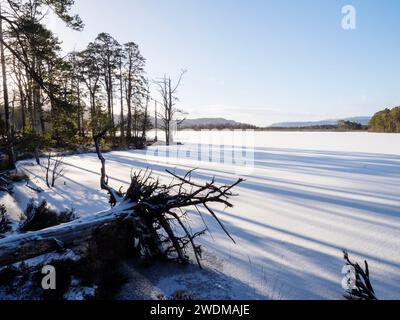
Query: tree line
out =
(387, 120)
(62, 101)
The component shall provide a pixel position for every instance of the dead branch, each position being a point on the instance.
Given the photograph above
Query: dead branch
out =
(115, 196)
(363, 289)
(157, 207)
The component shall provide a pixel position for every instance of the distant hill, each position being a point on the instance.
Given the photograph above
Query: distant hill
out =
(361, 120)
(208, 122)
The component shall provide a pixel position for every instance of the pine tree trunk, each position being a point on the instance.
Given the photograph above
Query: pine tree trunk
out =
(80, 124)
(10, 144)
(23, 105)
(122, 103)
(129, 103)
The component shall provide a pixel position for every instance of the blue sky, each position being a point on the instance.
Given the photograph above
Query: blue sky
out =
(259, 61)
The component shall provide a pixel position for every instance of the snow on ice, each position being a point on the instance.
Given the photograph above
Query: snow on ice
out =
(306, 197)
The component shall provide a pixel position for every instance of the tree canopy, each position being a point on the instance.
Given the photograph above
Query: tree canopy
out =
(387, 120)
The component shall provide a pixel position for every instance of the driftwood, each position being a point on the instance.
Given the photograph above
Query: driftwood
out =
(155, 210)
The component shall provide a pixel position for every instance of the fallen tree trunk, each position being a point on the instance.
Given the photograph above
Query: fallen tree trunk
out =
(20, 247)
(155, 211)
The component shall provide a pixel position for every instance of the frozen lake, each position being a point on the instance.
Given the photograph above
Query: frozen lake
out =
(306, 197)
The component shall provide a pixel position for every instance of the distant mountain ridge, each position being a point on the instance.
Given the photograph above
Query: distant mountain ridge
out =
(205, 121)
(222, 122)
(362, 120)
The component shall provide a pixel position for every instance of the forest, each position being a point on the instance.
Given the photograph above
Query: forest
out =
(53, 100)
(387, 121)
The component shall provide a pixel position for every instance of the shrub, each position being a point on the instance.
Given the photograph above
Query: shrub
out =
(38, 217)
(18, 176)
(138, 142)
(8, 275)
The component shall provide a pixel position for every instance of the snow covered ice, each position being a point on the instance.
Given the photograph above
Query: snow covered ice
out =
(307, 196)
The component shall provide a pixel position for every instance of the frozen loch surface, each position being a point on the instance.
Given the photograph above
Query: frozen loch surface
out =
(308, 196)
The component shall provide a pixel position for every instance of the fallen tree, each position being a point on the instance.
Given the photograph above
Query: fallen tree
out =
(154, 213)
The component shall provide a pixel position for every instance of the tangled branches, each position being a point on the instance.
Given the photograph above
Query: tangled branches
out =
(160, 211)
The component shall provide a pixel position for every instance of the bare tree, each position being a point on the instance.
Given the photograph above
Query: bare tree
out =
(169, 113)
(55, 166)
(58, 170)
